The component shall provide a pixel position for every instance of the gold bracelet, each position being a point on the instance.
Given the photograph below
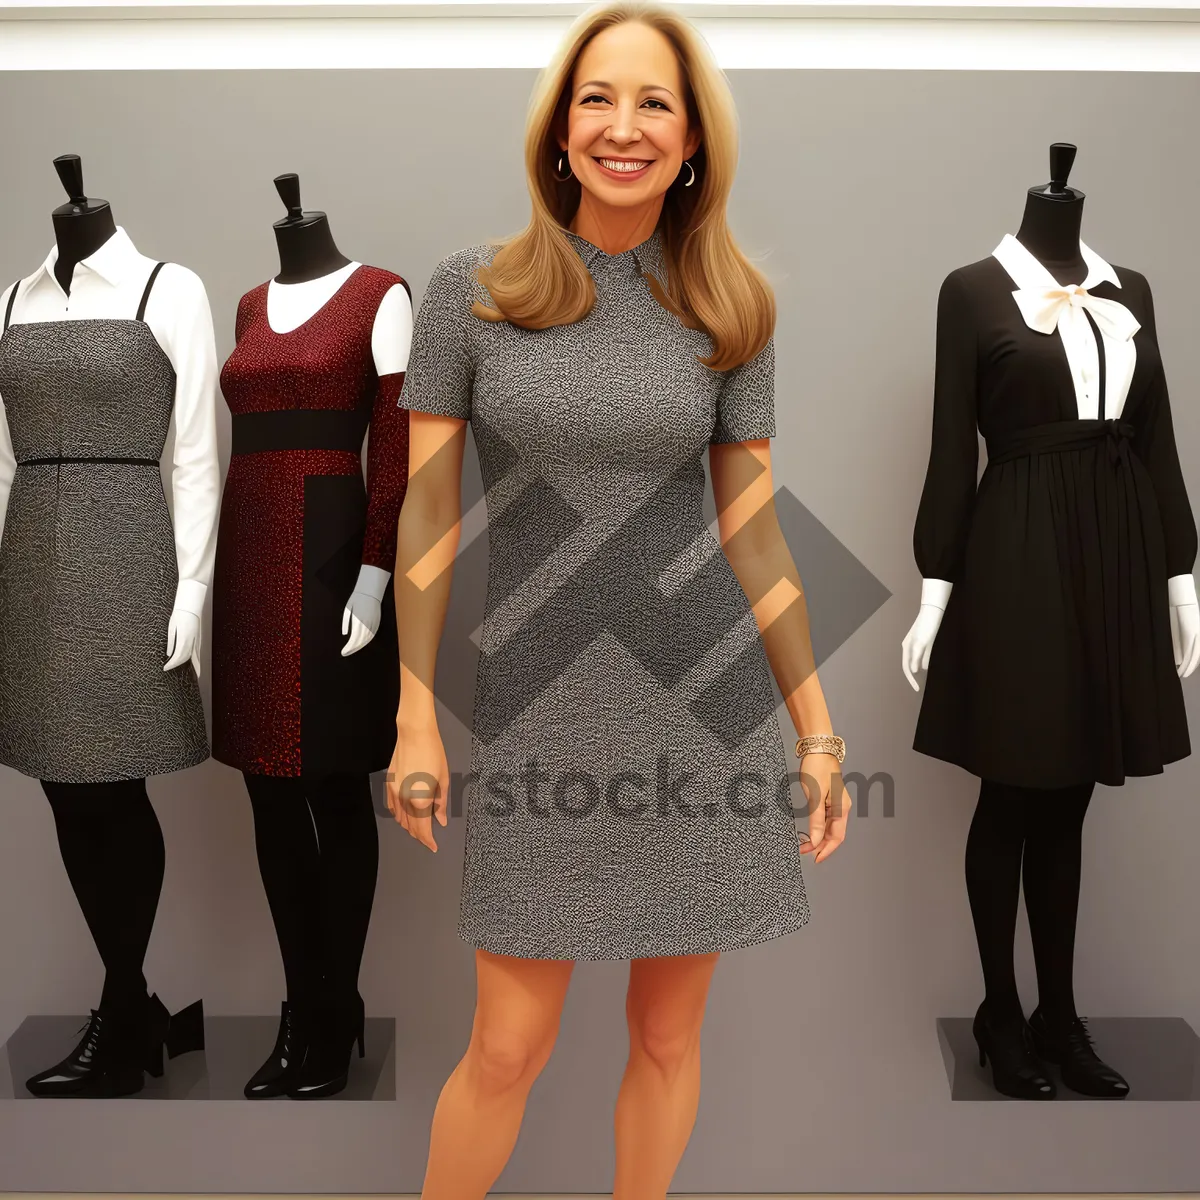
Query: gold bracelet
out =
(821, 743)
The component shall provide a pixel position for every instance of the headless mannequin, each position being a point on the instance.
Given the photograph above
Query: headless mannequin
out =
(1050, 229)
(109, 835)
(1033, 836)
(316, 837)
(311, 269)
(81, 227)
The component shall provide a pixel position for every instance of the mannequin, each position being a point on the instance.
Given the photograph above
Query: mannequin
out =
(87, 704)
(331, 337)
(1059, 652)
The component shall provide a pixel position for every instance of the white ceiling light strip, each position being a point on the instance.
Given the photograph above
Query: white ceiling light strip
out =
(37, 37)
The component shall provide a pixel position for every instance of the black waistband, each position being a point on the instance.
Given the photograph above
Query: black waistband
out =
(41, 462)
(1061, 435)
(300, 429)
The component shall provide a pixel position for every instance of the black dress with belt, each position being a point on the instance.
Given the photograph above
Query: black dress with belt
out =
(1053, 664)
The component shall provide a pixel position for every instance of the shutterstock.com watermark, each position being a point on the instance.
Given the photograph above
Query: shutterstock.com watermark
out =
(632, 795)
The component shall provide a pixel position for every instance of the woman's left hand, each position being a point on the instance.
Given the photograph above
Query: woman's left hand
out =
(828, 804)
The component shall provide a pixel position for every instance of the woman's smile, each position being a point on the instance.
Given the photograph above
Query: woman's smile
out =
(624, 168)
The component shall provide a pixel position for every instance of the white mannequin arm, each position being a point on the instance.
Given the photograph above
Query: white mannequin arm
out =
(195, 477)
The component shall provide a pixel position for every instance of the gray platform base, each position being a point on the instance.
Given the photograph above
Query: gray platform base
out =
(234, 1049)
(1159, 1056)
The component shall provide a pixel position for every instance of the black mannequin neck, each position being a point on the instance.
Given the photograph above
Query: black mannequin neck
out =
(306, 249)
(1050, 232)
(78, 233)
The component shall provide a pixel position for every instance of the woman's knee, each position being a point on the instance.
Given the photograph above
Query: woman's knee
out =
(502, 1059)
(668, 1039)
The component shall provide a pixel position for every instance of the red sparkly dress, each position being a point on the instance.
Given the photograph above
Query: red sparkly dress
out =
(296, 524)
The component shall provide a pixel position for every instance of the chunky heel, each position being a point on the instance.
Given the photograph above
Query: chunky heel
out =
(186, 1031)
(158, 1023)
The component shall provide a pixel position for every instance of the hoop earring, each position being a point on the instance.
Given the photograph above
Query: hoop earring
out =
(563, 178)
(693, 171)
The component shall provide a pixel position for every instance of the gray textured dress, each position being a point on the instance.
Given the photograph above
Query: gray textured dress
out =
(630, 795)
(87, 558)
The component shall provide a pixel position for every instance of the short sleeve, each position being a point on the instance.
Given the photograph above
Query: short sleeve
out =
(441, 369)
(746, 400)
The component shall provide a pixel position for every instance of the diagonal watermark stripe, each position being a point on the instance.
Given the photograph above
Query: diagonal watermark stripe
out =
(565, 579)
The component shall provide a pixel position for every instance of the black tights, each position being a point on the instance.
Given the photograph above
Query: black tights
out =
(112, 847)
(318, 854)
(1032, 835)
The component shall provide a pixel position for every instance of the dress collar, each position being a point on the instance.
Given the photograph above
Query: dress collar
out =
(1027, 271)
(113, 261)
(647, 255)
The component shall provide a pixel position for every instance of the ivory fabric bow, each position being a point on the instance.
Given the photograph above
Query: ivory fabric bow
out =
(1044, 309)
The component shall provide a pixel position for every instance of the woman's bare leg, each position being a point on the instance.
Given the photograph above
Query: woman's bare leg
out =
(478, 1115)
(660, 1093)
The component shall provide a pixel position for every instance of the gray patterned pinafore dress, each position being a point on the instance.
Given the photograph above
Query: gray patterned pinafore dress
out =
(88, 570)
(628, 793)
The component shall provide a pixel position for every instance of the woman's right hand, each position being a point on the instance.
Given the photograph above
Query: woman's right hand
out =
(418, 766)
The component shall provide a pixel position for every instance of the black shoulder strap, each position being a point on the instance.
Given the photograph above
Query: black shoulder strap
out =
(149, 284)
(11, 297)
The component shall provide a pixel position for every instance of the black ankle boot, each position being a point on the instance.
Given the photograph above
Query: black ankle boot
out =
(1016, 1068)
(1070, 1046)
(107, 1061)
(281, 1071)
(326, 1069)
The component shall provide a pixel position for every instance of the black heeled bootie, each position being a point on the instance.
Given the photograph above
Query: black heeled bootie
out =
(1016, 1069)
(107, 1061)
(326, 1068)
(1070, 1046)
(281, 1070)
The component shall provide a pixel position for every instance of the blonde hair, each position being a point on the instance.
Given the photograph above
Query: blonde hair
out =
(536, 279)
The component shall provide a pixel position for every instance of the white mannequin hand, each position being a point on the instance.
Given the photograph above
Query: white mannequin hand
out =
(1185, 637)
(183, 640)
(918, 642)
(363, 611)
(1185, 623)
(360, 619)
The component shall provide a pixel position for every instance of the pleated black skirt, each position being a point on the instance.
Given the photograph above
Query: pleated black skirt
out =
(1054, 663)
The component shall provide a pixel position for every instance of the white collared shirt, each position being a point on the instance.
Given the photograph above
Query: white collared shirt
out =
(1079, 343)
(1078, 339)
(109, 284)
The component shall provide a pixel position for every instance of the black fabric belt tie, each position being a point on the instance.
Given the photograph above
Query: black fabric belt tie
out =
(42, 462)
(1064, 435)
(301, 429)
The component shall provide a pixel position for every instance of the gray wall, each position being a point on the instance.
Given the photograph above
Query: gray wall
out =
(822, 1070)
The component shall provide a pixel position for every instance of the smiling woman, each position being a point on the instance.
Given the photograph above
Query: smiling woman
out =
(627, 132)
(629, 789)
